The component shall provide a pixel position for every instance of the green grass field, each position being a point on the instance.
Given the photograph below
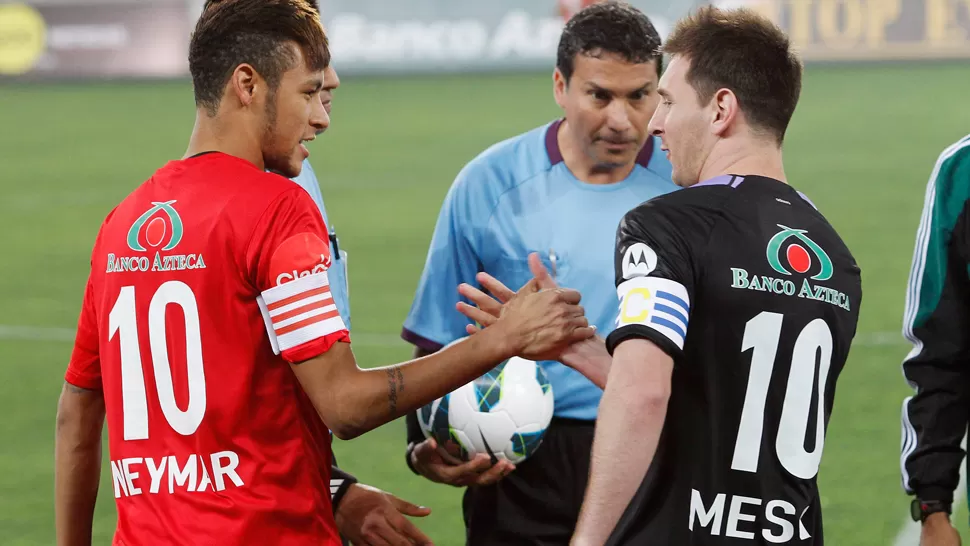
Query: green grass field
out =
(862, 144)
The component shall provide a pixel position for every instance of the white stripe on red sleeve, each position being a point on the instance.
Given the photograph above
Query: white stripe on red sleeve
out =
(300, 311)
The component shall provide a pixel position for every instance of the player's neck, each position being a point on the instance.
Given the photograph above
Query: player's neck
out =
(751, 159)
(582, 166)
(212, 134)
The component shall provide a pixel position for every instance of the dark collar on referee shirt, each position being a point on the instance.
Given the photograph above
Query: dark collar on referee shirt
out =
(555, 154)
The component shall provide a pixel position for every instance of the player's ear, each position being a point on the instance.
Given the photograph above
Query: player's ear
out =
(559, 87)
(244, 84)
(724, 109)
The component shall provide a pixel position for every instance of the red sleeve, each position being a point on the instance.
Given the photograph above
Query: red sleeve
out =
(84, 370)
(289, 257)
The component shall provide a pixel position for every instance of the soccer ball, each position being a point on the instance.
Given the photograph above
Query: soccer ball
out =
(503, 413)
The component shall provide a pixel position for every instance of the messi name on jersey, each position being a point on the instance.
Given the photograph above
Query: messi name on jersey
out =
(787, 257)
(160, 229)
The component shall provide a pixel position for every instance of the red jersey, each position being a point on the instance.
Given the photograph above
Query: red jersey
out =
(204, 283)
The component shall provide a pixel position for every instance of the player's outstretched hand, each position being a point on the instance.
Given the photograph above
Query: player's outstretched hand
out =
(489, 308)
(938, 531)
(540, 325)
(557, 321)
(368, 516)
(433, 463)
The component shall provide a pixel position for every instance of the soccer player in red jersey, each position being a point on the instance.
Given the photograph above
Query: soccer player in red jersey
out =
(208, 337)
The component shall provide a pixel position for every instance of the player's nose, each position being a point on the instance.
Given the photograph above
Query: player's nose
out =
(319, 118)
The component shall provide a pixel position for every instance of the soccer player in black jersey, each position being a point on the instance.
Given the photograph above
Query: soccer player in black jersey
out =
(738, 302)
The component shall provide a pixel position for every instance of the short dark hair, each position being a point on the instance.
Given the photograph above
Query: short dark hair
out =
(740, 50)
(608, 27)
(258, 32)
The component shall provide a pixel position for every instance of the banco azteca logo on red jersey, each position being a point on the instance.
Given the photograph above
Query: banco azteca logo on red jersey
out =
(159, 229)
(159, 224)
(299, 256)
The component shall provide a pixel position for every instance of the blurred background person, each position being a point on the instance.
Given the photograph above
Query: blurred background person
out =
(937, 323)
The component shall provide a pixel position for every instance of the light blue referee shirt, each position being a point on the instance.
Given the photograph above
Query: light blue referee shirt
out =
(339, 287)
(519, 197)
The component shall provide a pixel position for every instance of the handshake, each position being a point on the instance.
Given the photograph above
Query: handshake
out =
(539, 322)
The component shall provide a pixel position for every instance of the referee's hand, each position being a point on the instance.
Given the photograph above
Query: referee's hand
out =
(434, 463)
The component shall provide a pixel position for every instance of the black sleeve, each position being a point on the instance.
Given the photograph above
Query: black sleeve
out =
(937, 322)
(654, 275)
(340, 482)
(414, 435)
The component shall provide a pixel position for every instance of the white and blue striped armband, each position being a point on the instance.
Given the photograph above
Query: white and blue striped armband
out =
(660, 304)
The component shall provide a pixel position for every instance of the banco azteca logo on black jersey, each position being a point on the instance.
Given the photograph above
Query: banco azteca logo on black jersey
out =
(798, 259)
(790, 258)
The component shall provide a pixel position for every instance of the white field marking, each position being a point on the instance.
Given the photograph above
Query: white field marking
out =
(370, 339)
(909, 533)
(66, 335)
(907, 536)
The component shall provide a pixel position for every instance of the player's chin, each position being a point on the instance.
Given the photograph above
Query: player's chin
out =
(682, 179)
(290, 167)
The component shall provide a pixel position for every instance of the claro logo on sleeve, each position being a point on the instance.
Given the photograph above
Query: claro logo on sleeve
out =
(299, 256)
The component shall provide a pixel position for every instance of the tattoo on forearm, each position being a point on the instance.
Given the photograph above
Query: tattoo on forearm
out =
(395, 384)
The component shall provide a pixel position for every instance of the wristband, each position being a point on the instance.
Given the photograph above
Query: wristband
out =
(340, 482)
(921, 509)
(407, 457)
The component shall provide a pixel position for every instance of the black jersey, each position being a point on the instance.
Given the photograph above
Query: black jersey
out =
(752, 292)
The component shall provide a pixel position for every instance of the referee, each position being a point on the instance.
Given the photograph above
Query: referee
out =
(937, 323)
(560, 190)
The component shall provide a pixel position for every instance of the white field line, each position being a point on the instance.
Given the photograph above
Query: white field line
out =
(909, 533)
(66, 335)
